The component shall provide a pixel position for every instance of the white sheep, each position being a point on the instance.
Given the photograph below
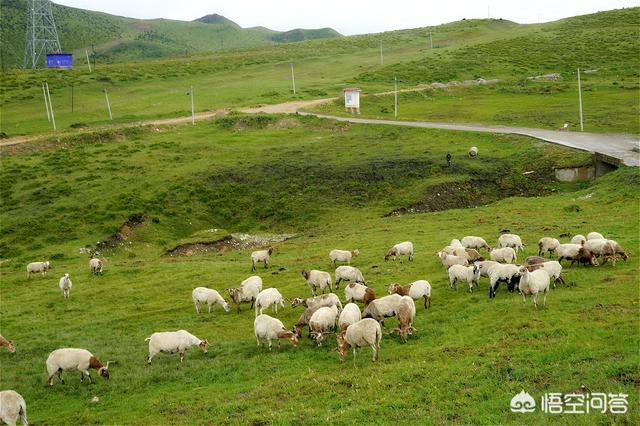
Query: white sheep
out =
(96, 265)
(37, 267)
(534, 283)
(329, 299)
(450, 260)
(507, 273)
(511, 240)
(484, 266)
(366, 332)
(348, 273)
(470, 274)
(551, 267)
(578, 239)
(504, 254)
(474, 243)
(359, 292)
(268, 328)
(174, 341)
(350, 315)
(420, 289)
(595, 236)
(261, 256)
(405, 248)
(65, 285)
(323, 321)
(247, 292)
(382, 308)
(82, 360)
(269, 297)
(342, 256)
(547, 244)
(209, 297)
(317, 279)
(455, 243)
(406, 313)
(473, 152)
(12, 406)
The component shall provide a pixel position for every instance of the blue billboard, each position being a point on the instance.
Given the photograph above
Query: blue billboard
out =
(59, 60)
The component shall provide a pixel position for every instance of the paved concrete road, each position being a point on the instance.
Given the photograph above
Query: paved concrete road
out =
(615, 145)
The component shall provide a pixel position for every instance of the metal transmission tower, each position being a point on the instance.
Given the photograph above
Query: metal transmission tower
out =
(41, 37)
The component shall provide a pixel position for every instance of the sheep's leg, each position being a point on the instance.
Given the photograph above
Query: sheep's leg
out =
(535, 300)
(524, 298)
(60, 376)
(209, 308)
(197, 305)
(181, 356)
(51, 379)
(252, 301)
(150, 357)
(86, 372)
(425, 302)
(266, 264)
(253, 265)
(269, 340)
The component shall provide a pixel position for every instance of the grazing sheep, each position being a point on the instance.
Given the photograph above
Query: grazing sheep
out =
(38, 267)
(366, 332)
(261, 256)
(504, 254)
(617, 249)
(209, 297)
(601, 248)
(594, 236)
(507, 273)
(95, 265)
(342, 256)
(329, 299)
(82, 360)
(552, 267)
(449, 260)
(65, 285)
(547, 244)
(415, 290)
(350, 315)
(406, 313)
(323, 321)
(534, 283)
(473, 152)
(4, 343)
(12, 406)
(484, 266)
(317, 279)
(578, 239)
(405, 248)
(360, 293)
(511, 240)
(269, 297)
(382, 308)
(474, 243)
(470, 274)
(247, 292)
(174, 341)
(575, 253)
(348, 273)
(455, 243)
(304, 320)
(473, 255)
(269, 328)
(454, 251)
(533, 260)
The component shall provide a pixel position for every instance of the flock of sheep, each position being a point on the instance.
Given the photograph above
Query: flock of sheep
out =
(325, 314)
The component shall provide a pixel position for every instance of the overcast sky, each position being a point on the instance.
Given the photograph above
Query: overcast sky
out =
(350, 16)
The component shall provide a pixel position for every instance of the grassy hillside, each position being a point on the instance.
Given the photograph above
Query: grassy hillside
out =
(118, 39)
(330, 184)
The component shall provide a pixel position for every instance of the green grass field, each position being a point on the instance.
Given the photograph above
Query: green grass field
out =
(330, 184)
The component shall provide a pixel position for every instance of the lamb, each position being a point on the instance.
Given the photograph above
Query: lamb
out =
(95, 265)
(360, 293)
(329, 299)
(82, 360)
(12, 406)
(209, 297)
(268, 328)
(382, 308)
(247, 292)
(470, 274)
(575, 253)
(269, 297)
(601, 248)
(504, 254)
(415, 290)
(506, 273)
(35, 267)
(547, 244)
(342, 256)
(617, 249)
(65, 285)
(366, 332)
(552, 267)
(594, 236)
(406, 313)
(449, 260)
(511, 240)
(348, 273)
(4, 343)
(261, 256)
(474, 243)
(322, 322)
(350, 315)
(174, 341)
(578, 239)
(484, 266)
(317, 279)
(405, 248)
(534, 283)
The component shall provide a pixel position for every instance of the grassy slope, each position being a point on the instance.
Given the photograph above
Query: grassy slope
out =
(470, 356)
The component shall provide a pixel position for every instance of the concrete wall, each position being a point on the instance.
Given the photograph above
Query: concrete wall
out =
(575, 174)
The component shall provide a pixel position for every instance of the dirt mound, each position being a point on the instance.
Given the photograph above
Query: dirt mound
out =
(229, 242)
(124, 233)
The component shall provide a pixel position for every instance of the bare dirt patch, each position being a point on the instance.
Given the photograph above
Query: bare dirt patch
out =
(124, 233)
(229, 242)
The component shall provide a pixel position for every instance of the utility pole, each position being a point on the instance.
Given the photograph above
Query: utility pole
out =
(193, 111)
(431, 40)
(71, 97)
(381, 57)
(395, 96)
(293, 79)
(580, 101)
(88, 62)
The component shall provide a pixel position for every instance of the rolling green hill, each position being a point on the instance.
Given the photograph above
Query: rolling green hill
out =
(118, 39)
